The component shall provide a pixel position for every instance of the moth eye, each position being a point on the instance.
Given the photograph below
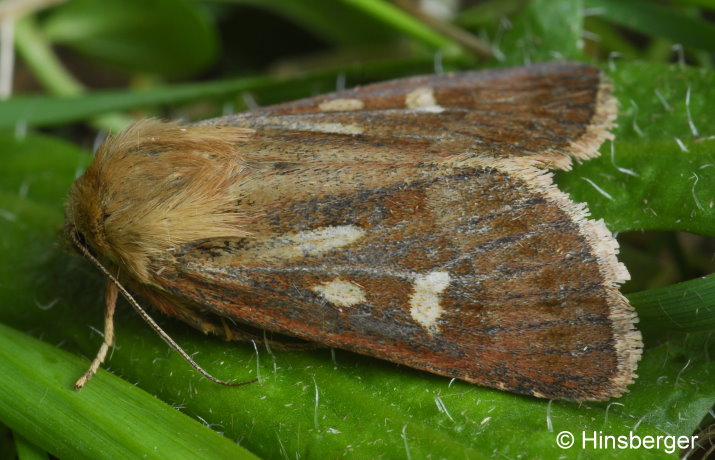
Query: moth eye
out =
(80, 238)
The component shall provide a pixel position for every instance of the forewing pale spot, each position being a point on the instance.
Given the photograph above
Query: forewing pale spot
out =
(341, 293)
(338, 128)
(424, 302)
(314, 242)
(293, 246)
(422, 98)
(330, 128)
(341, 105)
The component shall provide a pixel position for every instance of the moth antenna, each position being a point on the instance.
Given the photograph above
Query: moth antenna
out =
(109, 326)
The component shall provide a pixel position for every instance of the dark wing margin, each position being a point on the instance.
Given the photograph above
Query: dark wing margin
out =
(545, 114)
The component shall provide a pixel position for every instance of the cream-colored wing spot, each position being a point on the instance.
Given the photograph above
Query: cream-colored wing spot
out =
(425, 306)
(308, 243)
(341, 105)
(330, 128)
(341, 293)
(314, 242)
(422, 98)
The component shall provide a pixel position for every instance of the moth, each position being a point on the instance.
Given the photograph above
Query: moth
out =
(413, 220)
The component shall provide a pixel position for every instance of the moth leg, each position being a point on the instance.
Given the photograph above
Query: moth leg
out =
(227, 332)
(232, 333)
(110, 300)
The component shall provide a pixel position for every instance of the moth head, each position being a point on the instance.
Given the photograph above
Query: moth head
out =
(156, 187)
(83, 216)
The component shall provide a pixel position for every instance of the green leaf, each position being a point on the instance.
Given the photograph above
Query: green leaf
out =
(108, 419)
(488, 12)
(168, 37)
(661, 175)
(39, 110)
(544, 30)
(704, 3)
(688, 306)
(26, 450)
(387, 13)
(331, 404)
(654, 20)
(333, 20)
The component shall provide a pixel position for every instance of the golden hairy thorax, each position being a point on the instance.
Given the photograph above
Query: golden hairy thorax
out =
(155, 187)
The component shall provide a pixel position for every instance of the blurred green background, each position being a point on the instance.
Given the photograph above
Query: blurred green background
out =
(84, 68)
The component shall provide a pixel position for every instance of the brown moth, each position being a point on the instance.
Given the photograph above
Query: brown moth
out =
(412, 220)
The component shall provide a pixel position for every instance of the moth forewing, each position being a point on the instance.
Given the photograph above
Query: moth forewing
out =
(408, 220)
(545, 113)
(478, 272)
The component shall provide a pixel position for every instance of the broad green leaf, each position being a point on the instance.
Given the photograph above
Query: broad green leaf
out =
(109, 419)
(660, 174)
(332, 403)
(652, 19)
(168, 37)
